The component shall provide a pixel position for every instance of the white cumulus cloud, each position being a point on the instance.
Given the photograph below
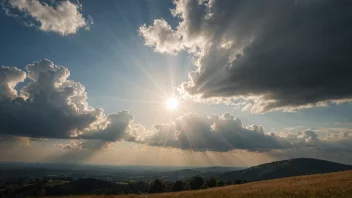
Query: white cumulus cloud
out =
(64, 17)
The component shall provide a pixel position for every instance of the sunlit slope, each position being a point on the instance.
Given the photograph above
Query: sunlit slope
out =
(337, 184)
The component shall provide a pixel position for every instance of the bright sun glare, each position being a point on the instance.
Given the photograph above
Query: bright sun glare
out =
(172, 104)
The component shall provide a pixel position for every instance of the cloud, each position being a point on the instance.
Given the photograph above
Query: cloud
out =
(263, 56)
(15, 140)
(9, 78)
(328, 140)
(161, 35)
(115, 128)
(226, 133)
(70, 146)
(63, 17)
(216, 133)
(93, 145)
(52, 106)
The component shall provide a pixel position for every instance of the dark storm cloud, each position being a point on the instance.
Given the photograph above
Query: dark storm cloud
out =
(274, 54)
(51, 106)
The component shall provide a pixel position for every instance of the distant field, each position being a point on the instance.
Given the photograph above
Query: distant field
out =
(337, 184)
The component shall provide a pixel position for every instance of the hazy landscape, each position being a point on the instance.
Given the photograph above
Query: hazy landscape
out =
(67, 179)
(316, 186)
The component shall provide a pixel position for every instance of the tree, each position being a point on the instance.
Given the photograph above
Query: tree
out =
(240, 181)
(178, 186)
(211, 182)
(229, 182)
(157, 186)
(221, 183)
(41, 192)
(196, 182)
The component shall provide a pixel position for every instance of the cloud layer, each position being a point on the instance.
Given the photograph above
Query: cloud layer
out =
(216, 133)
(50, 105)
(273, 55)
(226, 133)
(63, 17)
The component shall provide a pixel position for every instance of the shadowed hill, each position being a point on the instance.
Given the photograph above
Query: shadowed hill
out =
(285, 168)
(184, 174)
(179, 174)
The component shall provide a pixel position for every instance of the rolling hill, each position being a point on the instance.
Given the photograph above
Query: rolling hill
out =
(273, 170)
(338, 185)
(285, 168)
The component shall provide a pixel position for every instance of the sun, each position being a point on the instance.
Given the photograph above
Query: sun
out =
(171, 104)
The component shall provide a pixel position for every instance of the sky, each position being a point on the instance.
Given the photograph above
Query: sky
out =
(175, 83)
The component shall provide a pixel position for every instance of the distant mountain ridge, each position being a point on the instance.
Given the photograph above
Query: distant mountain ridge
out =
(285, 168)
(183, 174)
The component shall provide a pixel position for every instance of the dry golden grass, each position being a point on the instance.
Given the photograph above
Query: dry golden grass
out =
(337, 184)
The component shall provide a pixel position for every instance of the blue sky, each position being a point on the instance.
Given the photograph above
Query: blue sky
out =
(120, 72)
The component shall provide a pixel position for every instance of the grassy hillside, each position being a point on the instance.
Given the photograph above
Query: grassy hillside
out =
(285, 168)
(337, 184)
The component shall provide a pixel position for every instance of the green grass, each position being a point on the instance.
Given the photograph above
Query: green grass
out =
(329, 185)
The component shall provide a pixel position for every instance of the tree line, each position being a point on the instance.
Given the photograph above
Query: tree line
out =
(85, 186)
(194, 183)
